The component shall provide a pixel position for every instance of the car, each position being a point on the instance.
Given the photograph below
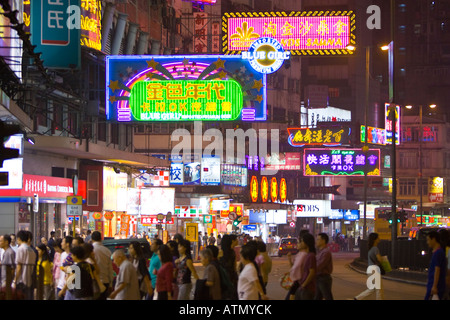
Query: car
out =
(114, 244)
(287, 245)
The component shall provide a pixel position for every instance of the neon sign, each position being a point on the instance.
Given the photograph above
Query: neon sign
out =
(266, 55)
(186, 100)
(374, 135)
(274, 189)
(254, 189)
(264, 189)
(389, 129)
(283, 190)
(302, 33)
(341, 162)
(184, 88)
(333, 136)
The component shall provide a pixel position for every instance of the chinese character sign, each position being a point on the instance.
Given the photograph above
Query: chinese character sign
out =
(303, 33)
(184, 88)
(389, 124)
(341, 162)
(436, 189)
(332, 136)
(50, 33)
(186, 100)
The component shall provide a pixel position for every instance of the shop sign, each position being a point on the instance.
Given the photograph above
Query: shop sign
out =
(207, 219)
(312, 208)
(184, 88)
(273, 189)
(331, 136)
(153, 219)
(254, 189)
(436, 189)
(302, 33)
(341, 162)
(283, 190)
(266, 55)
(109, 215)
(97, 215)
(374, 135)
(186, 100)
(388, 122)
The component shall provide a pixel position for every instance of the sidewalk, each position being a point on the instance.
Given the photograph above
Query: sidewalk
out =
(407, 276)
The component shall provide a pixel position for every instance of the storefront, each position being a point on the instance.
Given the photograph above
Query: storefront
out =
(40, 205)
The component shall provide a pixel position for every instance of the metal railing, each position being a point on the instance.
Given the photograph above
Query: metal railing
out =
(411, 254)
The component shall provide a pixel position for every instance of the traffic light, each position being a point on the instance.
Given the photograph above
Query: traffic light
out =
(7, 130)
(236, 222)
(403, 216)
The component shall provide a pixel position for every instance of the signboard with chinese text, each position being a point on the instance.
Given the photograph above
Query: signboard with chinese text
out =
(302, 33)
(153, 219)
(200, 32)
(332, 136)
(237, 208)
(311, 118)
(50, 33)
(388, 122)
(157, 200)
(436, 189)
(341, 162)
(210, 170)
(184, 88)
(282, 161)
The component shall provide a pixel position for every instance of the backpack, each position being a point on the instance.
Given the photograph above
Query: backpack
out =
(226, 286)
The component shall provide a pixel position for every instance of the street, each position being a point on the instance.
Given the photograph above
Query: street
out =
(347, 283)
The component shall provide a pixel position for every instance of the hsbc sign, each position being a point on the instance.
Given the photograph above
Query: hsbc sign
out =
(312, 208)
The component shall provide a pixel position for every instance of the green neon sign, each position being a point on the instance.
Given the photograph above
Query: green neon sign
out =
(186, 100)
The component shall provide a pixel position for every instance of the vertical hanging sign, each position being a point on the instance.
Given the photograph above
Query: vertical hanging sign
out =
(55, 31)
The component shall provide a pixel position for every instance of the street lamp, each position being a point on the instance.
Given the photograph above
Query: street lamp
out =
(431, 106)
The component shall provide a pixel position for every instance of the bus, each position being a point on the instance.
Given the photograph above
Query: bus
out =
(406, 220)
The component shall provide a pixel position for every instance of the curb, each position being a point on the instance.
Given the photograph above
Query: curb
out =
(418, 283)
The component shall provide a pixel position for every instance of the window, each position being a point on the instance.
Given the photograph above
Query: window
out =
(407, 186)
(92, 188)
(408, 160)
(58, 172)
(70, 173)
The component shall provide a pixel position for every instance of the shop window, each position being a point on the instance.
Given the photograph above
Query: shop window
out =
(92, 188)
(58, 172)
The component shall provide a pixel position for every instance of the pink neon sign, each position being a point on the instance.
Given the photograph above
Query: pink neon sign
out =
(294, 32)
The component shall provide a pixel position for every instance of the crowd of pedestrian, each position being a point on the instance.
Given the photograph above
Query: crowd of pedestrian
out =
(82, 268)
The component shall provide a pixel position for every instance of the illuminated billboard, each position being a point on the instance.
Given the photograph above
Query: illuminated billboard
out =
(302, 33)
(388, 122)
(374, 135)
(341, 162)
(332, 136)
(184, 88)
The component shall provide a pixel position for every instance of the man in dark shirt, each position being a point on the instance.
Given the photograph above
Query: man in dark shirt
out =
(438, 268)
(324, 268)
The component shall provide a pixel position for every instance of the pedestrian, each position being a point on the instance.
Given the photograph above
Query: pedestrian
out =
(199, 244)
(324, 268)
(44, 269)
(205, 241)
(437, 271)
(249, 286)
(155, 262)
(57, 263)
(7, 262)
(88, 236)
(66, 261)
(227, 259)
(139, 263)
(210, 274)
(164, 275)
(127, 283)
(219, 240)
(295, 273)
(185, 270)
(445, 243)
(103, 260)
(50, 249)
(51, 240)
(14, 244)
(374, 259)
(25, 265)
(177, 237)
(98, 286)
(77, 241)
(305, 287)
(264, 262)
(211, 240)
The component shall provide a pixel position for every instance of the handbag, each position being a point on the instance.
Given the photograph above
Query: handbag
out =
(201, 290)
(385, 264)
(286, 281)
